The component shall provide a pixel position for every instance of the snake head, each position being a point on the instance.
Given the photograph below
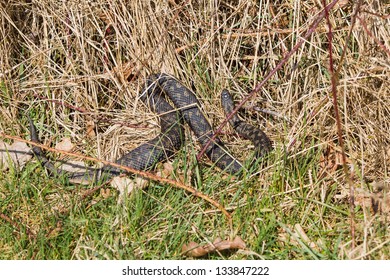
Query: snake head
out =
(226, 97)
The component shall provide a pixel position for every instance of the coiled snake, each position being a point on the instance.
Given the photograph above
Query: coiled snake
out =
(171, 137)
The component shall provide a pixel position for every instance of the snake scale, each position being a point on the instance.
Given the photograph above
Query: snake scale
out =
(171, 138)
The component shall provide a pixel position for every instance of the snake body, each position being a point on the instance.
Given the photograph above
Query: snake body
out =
(171, 138)
(259, 139)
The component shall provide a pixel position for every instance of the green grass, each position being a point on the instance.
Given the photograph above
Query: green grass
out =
(155, 222)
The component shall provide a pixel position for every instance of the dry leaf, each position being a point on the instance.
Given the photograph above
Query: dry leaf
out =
(331, 160)
(90, 129)
(65, 145)
(18, 153)
(193, 249)
(168, 170)
(126, 185)
(105, 193)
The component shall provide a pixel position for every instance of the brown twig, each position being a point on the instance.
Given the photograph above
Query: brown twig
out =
(89, 192)
(269, 75)
(144, 174)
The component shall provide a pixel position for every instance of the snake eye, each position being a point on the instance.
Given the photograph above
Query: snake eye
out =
(225, 94)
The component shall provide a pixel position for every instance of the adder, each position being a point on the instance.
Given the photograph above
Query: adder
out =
(160, 148)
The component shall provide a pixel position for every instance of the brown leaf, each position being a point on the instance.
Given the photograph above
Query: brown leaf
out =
(125, 185)
(331, 159)
(105, 193)
(193, 249)
(90, 129)
(167, 172)
(168, 169)
(65, 144)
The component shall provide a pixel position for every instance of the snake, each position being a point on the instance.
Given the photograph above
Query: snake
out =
(157, 88)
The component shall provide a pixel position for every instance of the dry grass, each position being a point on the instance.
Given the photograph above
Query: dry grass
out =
(81, 64)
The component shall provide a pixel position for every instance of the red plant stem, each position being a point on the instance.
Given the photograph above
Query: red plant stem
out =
(334, 82)
(269, 75)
